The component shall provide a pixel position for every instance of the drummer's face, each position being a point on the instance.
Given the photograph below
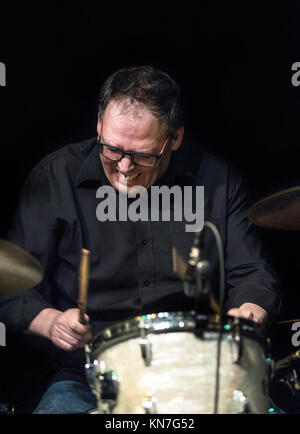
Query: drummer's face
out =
(132, 127)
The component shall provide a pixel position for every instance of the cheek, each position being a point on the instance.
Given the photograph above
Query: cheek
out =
(108, 167)
(149, 177)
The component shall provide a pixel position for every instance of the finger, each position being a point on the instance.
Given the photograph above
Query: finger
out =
(259, 319)
(241, 313)
(77, 339)
(79, 328)
(69, 343)
(233, 312)
(65, 331)
(84, 339)
(87, 318)
(247, 314)
(62, 344)
(73, 326)
(66, 337)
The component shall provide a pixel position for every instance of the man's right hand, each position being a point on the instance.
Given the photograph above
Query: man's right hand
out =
(63, 328)
(68, 333)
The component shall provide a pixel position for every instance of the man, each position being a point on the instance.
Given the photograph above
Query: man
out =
(139, 132)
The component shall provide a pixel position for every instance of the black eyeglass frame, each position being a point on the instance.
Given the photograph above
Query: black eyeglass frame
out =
(131, 154)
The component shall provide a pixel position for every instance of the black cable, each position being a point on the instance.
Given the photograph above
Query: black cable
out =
(218, 239)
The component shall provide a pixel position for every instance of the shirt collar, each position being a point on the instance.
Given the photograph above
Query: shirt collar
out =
(90, 171)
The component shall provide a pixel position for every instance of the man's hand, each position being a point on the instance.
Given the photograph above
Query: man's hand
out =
(68, 333)
(62, 328)
(249, 311)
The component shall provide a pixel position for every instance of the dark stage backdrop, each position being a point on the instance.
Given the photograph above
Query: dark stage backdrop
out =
(233, 61)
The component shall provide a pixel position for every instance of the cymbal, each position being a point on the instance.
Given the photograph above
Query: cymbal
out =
(278, 211)
(19, 271)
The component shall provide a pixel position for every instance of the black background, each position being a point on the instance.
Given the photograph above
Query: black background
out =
(233, 61)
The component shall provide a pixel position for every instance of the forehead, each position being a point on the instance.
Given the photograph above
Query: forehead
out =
(132, 120)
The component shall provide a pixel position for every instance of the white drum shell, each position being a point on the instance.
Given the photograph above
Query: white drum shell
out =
(182, 375)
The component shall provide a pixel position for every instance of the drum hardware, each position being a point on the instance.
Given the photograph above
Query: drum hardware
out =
(180, 267)
(104, 384)
(291, 379)
(239, 403)
(149, 404)
(235, 348)
(145, 344)
(235, 341)
(286, 372)
(19, 271)
(270, 366)
(92, 375)
(197, 270)
(196, 273)
(287, 361)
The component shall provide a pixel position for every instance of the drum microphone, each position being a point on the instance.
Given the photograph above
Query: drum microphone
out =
(197, 269)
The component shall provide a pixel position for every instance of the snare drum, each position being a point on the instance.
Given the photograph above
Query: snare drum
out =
(179, 362)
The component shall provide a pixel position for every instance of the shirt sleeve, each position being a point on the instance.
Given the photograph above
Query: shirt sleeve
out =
(33, 229)
(249, 274)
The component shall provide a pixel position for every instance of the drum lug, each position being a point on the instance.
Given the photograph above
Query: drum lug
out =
(146, 346)
(88, 352)
(104, 384)
(235, 342)
(149, 404)
(92, 375)
(270, 367)
(146, 349)
(235, 348)
(239, 403)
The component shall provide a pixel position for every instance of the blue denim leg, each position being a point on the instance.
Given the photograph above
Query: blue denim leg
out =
(66, 397)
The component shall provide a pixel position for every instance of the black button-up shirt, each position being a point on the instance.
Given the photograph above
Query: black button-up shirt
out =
(131, 268)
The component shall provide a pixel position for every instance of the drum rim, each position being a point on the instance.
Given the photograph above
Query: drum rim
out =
(178, 321)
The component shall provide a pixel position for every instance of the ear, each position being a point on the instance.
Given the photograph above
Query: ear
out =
(177, 139)
(99, 125)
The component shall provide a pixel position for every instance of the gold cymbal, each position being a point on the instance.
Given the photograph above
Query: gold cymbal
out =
(278, 211)
(19, 271)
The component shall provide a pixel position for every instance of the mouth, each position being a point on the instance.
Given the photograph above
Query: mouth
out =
(127, 178)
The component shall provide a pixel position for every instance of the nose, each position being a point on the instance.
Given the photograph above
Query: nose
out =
(125, 165)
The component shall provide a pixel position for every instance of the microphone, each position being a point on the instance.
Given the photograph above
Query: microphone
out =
(197, 268)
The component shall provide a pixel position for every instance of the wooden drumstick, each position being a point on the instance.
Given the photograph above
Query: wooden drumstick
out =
(83, 284)
(289, 321)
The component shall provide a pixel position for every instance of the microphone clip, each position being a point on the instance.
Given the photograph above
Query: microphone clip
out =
(196, 279)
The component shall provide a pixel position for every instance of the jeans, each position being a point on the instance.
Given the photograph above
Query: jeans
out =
(73, 397)
(67, 397)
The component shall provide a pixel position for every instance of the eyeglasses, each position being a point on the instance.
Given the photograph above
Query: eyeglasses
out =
(138, 158)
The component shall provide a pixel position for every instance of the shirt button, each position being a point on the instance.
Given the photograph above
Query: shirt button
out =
(137, 301)
(144, 242)
(146, 282)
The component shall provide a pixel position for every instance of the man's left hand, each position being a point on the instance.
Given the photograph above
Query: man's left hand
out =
(249, 311)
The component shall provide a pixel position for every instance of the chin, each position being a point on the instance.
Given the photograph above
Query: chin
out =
(121, 188)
